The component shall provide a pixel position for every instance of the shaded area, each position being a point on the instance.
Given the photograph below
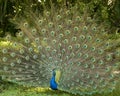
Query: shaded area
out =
(108, 10)
(11, 89)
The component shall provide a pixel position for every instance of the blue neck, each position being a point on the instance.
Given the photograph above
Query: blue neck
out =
(53, 84)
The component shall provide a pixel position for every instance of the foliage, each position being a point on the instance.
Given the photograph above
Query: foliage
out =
(6, 12)
(105, 11)
(115, 13)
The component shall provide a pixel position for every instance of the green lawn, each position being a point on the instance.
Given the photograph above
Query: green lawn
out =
(10, 89)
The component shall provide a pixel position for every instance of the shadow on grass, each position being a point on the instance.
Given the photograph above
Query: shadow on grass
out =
(12, 89)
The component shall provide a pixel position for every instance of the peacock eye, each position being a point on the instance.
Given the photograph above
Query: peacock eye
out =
(43, 30)
(85, 28)
(27, 58)
(69, 22)
(78, 18)
(27, 40)
(12, 64)
(89, 37)
(68, 12)
(25, 24)
(35, 56)
(50, 24)
(58, 17)
(60, 27)
(52, 33)
(4, 59)
(19, 61)
(94, 28)
(40, 22)
(37, 40)
(20, 34)
(12, 54)
(30, 49)
(67, 32)
(8, 37)
(69, 47)
(34, 30)
(47, 13)
(76, 28)
(4, 51)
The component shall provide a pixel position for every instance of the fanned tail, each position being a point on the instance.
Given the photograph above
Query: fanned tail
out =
(71, 43)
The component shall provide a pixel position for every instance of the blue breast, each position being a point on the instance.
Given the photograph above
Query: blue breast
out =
(53, 84)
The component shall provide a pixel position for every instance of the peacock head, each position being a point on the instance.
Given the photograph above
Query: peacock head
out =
(54, 72)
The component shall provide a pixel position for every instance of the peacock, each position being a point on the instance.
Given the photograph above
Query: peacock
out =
(63, 49)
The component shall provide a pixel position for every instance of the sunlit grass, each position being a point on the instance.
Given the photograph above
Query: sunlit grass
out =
(11, 89)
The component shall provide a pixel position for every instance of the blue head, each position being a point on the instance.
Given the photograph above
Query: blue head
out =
(53, 84)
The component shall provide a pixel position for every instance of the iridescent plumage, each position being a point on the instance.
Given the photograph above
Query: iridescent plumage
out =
(53, 84)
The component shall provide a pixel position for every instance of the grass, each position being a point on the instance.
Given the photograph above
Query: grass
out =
(11, 89)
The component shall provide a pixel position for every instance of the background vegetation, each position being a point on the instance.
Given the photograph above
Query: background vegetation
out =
(106, 10)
